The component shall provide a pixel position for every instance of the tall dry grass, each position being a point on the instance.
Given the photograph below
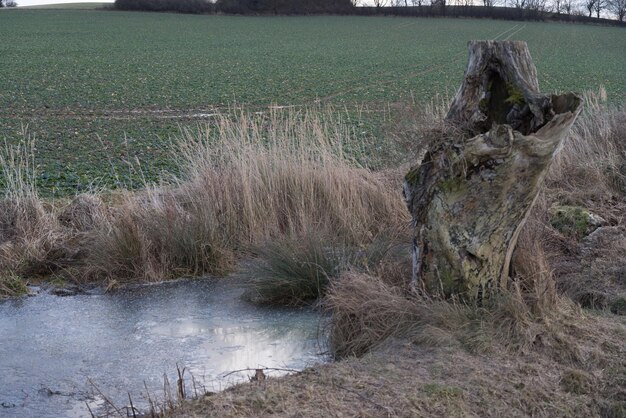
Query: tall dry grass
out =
(589, 172)
(257, 178)
(367, 310)
(244, 180)
(30, 238)
(590, 169)
(267, 175)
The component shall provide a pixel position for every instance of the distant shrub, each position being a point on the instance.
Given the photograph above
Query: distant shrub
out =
(284, 6)
(503, 13)
(180, 6)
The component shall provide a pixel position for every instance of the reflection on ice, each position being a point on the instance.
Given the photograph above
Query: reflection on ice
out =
(50, 346)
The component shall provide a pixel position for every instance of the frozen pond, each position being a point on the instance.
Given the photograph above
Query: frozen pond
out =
(58, 353)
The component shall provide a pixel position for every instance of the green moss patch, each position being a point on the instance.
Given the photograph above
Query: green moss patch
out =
(515, 95)
(413, 176)
(12, 285)
(573, 221)
(442, 391)
(618, 306)
(577, 381)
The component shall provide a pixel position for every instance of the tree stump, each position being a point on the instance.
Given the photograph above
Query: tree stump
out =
(472, 191)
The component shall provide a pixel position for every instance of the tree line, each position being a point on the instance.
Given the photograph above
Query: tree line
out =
(239, 6)
(8, 3)
(590, 8)
(569, 10)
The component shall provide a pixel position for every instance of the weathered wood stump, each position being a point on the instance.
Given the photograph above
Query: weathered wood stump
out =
(472, 191)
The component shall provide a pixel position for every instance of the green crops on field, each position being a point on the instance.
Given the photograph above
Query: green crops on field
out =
(92, 85)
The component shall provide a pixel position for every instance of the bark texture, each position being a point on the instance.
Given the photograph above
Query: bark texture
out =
(472, 191)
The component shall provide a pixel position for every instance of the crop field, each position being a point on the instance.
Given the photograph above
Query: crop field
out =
(102, 92)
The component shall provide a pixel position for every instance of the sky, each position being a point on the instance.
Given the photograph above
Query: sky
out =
(38, 2)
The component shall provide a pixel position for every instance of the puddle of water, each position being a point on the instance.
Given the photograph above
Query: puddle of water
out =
(52, 347)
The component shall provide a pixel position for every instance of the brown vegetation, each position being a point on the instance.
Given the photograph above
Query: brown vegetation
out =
(589, 173)
(402, 379)
(250, 180)
(530, 351)
(245, 180)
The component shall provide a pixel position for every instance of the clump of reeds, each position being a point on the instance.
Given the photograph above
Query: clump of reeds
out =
(245, 180)
(31, 242)
(298, 269)
(268, 175)
(151, 236)
(12, 285)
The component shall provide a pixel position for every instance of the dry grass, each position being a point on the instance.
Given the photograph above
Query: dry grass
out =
(298, 269)
(284, 173)
(590, 170)
(366, 311)
(426, 357)
(12, 286)
(31, 243)
(410, 127)
(402, 379)
(245, 180)
(150, 236)
(588, 173)
(254, 179)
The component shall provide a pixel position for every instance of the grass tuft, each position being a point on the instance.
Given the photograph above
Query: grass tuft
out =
(577, 381)
(295, 270)
(11, 286)
(298, 269)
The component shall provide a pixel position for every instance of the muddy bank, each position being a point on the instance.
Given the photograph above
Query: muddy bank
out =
(586, 378)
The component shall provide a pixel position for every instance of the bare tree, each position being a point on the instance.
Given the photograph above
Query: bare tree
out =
(380, 3)
(567, 6)
(589, 5)
(520, 4)
(537, 5)
(599, 6)
(618, 8)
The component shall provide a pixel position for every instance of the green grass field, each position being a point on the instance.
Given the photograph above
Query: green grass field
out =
(92, 86)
